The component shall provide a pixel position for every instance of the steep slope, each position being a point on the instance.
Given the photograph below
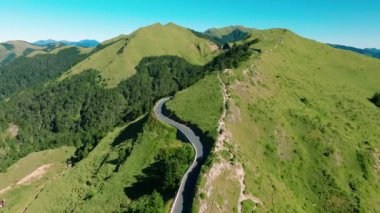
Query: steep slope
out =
(22, 182)
(128, 167)
(14, 49)
(118, 61)
(300, 133)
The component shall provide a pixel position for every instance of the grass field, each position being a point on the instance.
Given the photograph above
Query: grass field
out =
(306, 133)
(15, 48)
(20, 195)
(118, 61)
(300, 122)
(98, 183)
(200, 104)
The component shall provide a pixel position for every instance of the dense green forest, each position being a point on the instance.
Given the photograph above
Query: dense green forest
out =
(24, 72)
(80, 110)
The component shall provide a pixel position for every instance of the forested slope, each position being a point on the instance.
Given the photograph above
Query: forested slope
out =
(80, 111)
(25, 72)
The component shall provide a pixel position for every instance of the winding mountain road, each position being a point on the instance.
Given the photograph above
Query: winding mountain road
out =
(182, 201)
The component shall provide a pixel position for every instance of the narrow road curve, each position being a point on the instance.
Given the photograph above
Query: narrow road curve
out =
(178, 205)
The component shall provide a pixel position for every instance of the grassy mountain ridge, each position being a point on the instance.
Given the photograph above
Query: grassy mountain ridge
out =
(306, 118)
(118, 61)
(302, 126)
(13, 49)
(79, 111)
(300, 123)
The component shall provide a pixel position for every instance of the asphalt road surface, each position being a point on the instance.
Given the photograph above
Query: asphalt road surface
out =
(182, 202)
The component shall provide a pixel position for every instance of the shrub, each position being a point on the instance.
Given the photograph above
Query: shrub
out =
(376, 99)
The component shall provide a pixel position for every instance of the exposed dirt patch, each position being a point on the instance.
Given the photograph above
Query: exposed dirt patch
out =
(35, 175)
(12, 130)
(2, 191)
(226, 164)
(376, 156)
(214, 47)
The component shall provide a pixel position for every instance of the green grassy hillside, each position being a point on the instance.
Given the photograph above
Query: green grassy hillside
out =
(14, 49)
(301, 124)
(118, 61)
(206, 100)
(121, 173)
(18, 195)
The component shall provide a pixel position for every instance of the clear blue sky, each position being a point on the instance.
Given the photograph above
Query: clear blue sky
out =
(350, 22)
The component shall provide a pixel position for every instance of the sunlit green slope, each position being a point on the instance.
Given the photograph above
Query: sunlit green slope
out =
(300, 123)
(118, 61)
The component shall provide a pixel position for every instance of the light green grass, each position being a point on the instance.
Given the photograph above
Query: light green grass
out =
(82, 50)
(93, 185)
(19, 48)
(19, 196)
(200, 104)
(154, 40)
(305, 120)
(31, 162)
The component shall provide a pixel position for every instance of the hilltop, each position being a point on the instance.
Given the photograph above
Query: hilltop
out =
(118, 60)
(300, 132)
(14, 49)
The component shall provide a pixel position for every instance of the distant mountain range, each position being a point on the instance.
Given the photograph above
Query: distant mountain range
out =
(373, 52)
(82, 43)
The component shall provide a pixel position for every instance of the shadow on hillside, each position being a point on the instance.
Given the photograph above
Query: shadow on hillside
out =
(131, 132)
(149, 181)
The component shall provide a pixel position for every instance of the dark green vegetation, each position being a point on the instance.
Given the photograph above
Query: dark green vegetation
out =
(134, 168)
(367, 51)
(80, 111)
(376, 99)
(299, 121)
(24, 72)
(13, 49)
(8, 46)
(231, 58)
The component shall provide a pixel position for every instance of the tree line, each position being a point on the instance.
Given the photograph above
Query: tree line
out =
(79, 111)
